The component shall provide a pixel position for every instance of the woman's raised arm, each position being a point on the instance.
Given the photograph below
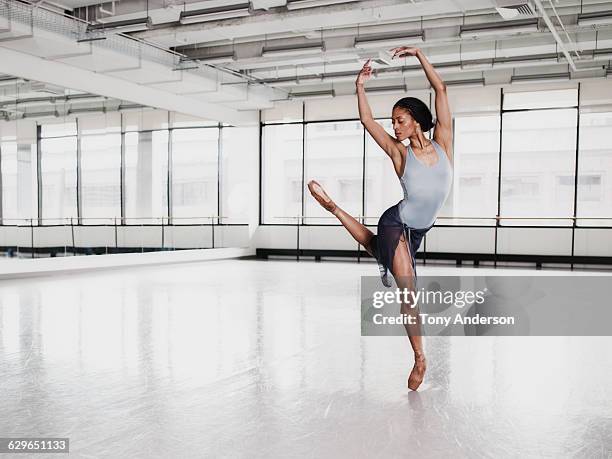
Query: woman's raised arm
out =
(443, 132)
(378, 133)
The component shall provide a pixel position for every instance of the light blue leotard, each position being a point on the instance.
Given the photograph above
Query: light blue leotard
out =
(425, 188)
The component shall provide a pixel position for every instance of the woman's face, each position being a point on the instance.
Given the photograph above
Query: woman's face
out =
(404, 124)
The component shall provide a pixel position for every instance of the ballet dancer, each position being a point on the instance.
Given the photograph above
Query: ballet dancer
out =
(425, 171)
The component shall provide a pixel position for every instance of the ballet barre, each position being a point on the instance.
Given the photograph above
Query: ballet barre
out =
(133, 222)
(299, 221)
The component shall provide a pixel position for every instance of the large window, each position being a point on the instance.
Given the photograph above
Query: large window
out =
(594, 169)
(101, 178)
(18, 164)
(58, 171)
(334, 158)
(146, 176)
(538, 158)
(538, 153)
(100, 138)
(238, 165)
(475, 171)
(86, 174)
(194, 175)
(282, 173)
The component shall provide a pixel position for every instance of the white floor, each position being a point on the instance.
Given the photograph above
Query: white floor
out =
(245, 358)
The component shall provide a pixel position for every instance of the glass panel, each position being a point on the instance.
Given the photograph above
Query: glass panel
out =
(594, 166)
(282, 173)
(101, 178)
(19, 182)
(58, 165)
(58, 129)
(194, 175)
(239, 156)
(541, 99)
(538, 154)
(334, 158)
(146, 177)
(476, 165)
(382, 186)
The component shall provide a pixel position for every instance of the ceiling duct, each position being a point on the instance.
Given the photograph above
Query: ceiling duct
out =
(301, 4)
(515, 9)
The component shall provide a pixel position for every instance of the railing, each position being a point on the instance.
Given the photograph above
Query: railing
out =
(495, 224)
(122, 235)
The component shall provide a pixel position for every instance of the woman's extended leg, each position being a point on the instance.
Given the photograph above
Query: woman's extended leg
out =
(403, 273)
(359, 232)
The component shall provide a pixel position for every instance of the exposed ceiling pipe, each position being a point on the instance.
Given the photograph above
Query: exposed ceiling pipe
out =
(553, 30)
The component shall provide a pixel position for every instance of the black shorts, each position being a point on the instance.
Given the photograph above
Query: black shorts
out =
(384, 244)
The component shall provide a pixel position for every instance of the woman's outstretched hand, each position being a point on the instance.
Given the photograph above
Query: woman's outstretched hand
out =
(364, 74)
(404, 51)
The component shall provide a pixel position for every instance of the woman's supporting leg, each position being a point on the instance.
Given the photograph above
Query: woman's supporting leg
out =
(404, 273)
(359, 232)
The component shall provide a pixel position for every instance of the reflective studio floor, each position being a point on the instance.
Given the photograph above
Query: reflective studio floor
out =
(246, 358)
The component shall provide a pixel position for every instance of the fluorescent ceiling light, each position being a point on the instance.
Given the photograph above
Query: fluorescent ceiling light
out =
(388, 73)
(74, 111)
(545, 77)
(313, 94)
(86, 39)
(444, 67)
(211, 58)
(471, 82)
(215, 14)
(600, 17)
(384, 89)
(284, 81)
(11, 81)
(83, 98)
(478, 64)
(293, 50)
(267, 4)
(128, 25)
(498, 28)
(525, 61)
(54, 114)
(602, 54)
(301, 4)
(34, 102)
(369, 41)
(78, 98)
(130, 108)
(339, 76)
(186, 64)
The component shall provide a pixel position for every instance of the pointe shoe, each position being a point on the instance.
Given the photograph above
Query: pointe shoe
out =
(417, 374)
(317, 192)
